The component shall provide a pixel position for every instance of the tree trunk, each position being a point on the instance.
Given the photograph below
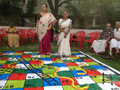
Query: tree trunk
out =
(94, 22)
(86, 23)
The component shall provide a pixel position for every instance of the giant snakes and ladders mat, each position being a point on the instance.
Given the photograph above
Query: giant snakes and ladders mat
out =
(23, 70)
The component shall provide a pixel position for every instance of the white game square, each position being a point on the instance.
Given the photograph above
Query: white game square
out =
(48, 62)
(84, 80)
(2, 83)
(22, 66)
(63, 69)
(53, 88)
(106, 71)
(33, 76)
(108, 86)
(79, 63)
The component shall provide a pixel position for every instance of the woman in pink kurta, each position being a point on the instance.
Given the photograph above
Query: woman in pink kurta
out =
(43, 27)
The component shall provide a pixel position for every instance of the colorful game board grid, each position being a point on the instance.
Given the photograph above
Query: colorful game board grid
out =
(14, 75)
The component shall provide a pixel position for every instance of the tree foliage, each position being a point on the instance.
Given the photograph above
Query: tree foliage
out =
(31, 6)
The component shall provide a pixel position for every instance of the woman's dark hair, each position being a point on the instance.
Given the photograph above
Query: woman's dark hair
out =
(45, 4)
(11, 24)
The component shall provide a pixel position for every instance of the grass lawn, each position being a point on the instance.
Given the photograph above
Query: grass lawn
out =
(115, 63)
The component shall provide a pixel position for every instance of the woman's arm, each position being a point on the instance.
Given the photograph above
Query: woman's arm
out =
(61, 29)
(68, 31)
(37, 26)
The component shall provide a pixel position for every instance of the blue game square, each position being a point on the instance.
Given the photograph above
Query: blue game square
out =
(76, 75)
(10, 52)
(98, 67)
(76, 53)
(46, 59)
(35, 70)
(78, 60)
(59, 64)
(4, 76)
(52, 52)
(28, 62)
(51, 82)
(35, 54)
(0, 66)
(16, 56)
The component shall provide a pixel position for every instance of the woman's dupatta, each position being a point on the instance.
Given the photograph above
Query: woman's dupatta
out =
(44, 23)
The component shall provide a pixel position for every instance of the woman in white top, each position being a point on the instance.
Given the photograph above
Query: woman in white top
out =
(115, 42)
(64, 37)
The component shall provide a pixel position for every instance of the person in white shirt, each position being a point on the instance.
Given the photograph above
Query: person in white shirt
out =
(115, 42)
(65, 25)
(100, 45)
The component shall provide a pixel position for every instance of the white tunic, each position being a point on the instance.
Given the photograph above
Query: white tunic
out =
(63, 43)
(114, 43)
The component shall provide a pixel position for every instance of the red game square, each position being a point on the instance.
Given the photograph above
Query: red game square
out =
(17, 76)
(36, 88)
(73, 56)
(1, 53)
(71, 64)
(88, 60)
(19, 52)
(4, 58)
(9, 66)
(35, 62)
(65, 81)
(117, 83)
(26, 56)
(93, 72)
(54, 59)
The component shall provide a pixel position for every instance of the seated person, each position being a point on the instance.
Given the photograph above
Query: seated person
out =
(100, 45)
(13, 37)
(115, 42)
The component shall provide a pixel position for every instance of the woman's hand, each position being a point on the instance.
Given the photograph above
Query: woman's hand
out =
(36, 31)
(65, 35)
(49, 27)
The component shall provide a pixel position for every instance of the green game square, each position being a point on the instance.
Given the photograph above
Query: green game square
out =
(36, 52)
(48, 75)
(2, 62)
(11, 84)
(92, 63)
(33, 83)
(5, 71)
(18, 70)
(115, 77)
(71, 68)
(68, 87)
(17, 53)
(74, 52)
(87, 67)
(35, 66)
(11, 62)
(54, 56)
(45, 56)
(92, 86)
(5, 56)
(48, 70)
(37, 58)
(58, 61)
(67, 61)
(48, 65)
(99, 78)
(86, 58)
(23, 59)
(65, 74)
